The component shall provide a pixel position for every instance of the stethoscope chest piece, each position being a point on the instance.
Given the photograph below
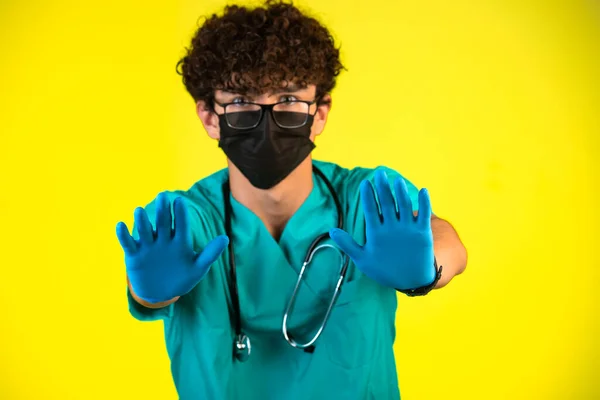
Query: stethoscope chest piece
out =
(242, 347)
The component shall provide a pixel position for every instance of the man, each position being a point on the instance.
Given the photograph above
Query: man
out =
(218, 263)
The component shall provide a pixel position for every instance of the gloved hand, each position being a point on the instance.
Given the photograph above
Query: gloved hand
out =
(162, 264)
(398, 252)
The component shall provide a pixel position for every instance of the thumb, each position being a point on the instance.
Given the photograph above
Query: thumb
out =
(346, 243)
(209, 255)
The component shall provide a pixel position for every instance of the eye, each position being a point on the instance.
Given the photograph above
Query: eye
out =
(239, 100)
(288, 98)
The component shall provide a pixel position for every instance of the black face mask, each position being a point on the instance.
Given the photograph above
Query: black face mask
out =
(266, 154)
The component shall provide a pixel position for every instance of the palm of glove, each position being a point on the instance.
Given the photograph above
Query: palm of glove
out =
(162, 264)
(398, 252)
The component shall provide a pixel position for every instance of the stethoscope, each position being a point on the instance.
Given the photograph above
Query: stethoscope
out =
(242, 345)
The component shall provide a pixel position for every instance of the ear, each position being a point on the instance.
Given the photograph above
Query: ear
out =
(209, 119)
(321, 116)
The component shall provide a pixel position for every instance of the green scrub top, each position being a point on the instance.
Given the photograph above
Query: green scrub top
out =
(353, 358)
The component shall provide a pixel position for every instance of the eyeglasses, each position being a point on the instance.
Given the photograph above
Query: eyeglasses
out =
(286, 114)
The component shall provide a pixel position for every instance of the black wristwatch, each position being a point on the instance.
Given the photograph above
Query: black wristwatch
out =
(423, 290)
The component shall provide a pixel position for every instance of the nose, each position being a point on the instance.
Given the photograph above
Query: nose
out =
(270, 125)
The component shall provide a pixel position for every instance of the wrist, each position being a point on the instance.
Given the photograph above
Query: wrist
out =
(147, 304)
(423, 290)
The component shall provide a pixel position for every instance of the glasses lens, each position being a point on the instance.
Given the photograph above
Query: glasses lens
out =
(242, 116)
(291, 114)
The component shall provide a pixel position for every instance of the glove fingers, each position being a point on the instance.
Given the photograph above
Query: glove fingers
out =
(369, 205)
(385, 196)
(209, 255)
(404, 203)
(346, 243)
(143, 226)
(125, 239)
(182, 232)
(163, 217)
(424, 217)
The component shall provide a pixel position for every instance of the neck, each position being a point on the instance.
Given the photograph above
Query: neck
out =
(274, 206)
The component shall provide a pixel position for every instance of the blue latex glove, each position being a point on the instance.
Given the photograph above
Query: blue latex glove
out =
(398, 252)
(162, 264)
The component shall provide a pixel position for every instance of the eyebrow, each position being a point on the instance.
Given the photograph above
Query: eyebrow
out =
(291, 88)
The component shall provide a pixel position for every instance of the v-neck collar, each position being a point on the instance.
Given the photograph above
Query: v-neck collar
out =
(253, 225)
(267, 270)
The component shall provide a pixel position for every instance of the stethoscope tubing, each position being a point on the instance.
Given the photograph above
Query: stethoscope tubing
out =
(242, 346)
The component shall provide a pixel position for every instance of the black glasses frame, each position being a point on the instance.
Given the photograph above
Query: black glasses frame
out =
(268, 107)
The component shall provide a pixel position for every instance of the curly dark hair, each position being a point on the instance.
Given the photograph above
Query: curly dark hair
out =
(251, 51)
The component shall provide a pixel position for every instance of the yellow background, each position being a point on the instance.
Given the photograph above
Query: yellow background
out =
(493, 106)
